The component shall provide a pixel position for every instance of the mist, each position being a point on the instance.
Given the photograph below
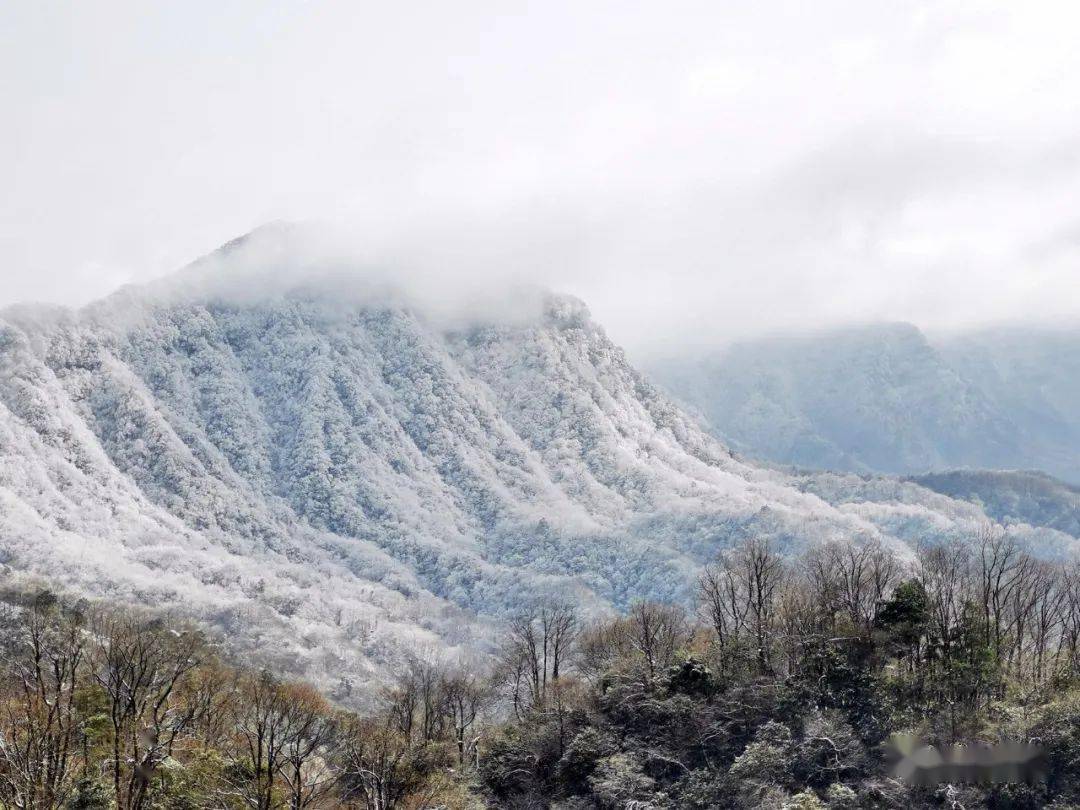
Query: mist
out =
(318, 260)
(695, 173)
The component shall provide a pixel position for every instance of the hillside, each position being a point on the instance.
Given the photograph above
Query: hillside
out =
(1033, 376)
(885, 398)
(1027, 497)
(334, 476)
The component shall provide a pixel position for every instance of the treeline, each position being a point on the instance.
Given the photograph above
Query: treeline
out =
(780, 689)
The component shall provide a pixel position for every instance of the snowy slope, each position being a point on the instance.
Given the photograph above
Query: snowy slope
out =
(334, 475)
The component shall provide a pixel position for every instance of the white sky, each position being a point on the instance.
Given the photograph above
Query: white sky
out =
(695, 171)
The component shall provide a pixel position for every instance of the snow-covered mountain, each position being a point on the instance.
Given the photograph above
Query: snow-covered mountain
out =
(1032, 375)
(334, 474)
(884, 398)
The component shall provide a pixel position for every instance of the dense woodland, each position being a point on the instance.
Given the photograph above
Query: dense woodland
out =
(780, 689)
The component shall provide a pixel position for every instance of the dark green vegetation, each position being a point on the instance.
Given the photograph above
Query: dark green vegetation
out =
(781, 690)
(1023, 496)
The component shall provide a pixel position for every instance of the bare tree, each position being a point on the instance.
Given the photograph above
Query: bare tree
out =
(1001, 567)
(762, 571)
(39, 725)
(464, 695)
(308, 731)
(739, 595)
(867, 573)
(139, 663)
(724, 600)
(801, 617)
(598, 646)
(945, 576)
(261, 736)
(384, 769)
(850, 580)
(538, 648)
(1048, 621)
(211, 692)
(1069, 641)
(656, 632)
(416, 700)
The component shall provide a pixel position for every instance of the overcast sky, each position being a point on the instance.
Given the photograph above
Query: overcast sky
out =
(695, 171)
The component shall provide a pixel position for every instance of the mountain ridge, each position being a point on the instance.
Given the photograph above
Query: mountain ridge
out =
(886, 398)
(334, 481)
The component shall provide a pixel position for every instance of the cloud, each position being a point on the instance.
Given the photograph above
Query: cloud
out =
(318, 259)
(695, 173)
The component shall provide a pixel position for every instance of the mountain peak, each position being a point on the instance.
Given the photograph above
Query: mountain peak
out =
(326, 266)
(335, 478)
(566, 311)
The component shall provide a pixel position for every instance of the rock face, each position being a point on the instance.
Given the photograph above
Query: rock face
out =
(334, 477)
(884, 398)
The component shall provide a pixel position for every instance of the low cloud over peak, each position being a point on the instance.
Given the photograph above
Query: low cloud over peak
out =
(697, 173)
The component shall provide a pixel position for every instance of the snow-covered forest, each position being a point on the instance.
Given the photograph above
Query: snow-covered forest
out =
(331, 476)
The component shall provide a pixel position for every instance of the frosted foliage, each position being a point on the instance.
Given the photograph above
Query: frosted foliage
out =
(335, 484)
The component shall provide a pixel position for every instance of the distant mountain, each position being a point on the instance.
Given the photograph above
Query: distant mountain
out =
(1033, 376)
(1013, 497)
(335, 475)
(884, 398)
